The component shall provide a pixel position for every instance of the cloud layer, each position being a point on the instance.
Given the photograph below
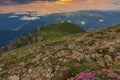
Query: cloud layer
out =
(42, 7)
(29, 18)
(8, 2)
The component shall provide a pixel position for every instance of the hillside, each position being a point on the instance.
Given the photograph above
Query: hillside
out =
(97, 50)
(45, 34)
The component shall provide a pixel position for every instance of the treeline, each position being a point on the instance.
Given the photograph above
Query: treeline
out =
(30, 38)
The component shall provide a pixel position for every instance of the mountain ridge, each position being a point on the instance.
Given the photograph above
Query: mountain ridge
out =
(45, 34)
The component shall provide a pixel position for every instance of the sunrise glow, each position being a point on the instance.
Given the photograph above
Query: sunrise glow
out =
(47, 7)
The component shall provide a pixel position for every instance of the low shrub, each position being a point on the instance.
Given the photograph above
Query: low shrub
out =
(83, 71)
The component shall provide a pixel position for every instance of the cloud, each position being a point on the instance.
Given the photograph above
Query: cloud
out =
(101, 20)
(29, 18)
(83, 22)
(69, 21)
(7, 2)
(43, 7)
(13, 16)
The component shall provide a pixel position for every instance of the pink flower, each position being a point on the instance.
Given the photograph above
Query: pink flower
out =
(86, 75)
(60, 74)
(100, 74)
(65, 68)
(76, 65)
(113, 75)
(71, 59)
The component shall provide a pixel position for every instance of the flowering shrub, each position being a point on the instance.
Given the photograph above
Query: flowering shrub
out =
(65, 68)
(70, 69)
(86, 75)
(72, 59)
(76, 65)
(113, 76)
(82, 71)
(92, 75)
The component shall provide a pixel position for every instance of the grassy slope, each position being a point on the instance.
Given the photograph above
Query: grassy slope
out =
(56, 31)
(28, 56)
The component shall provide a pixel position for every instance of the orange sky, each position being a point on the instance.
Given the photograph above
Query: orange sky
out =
(41, 7)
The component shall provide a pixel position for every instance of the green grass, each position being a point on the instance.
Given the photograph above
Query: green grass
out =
(59, 30)
(29, 57)
(91, 42)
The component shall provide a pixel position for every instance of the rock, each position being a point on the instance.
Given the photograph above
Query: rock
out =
(0, 69)
(112, 44)
(118, 57)
(80, 55)
(44, 59)
(62, 53)
(14, 77)
(37, 57)
(108, 58)
(70, 79)
(87, 60)
(101, 62)
(30, 70)
(111, 49)
(95, 56)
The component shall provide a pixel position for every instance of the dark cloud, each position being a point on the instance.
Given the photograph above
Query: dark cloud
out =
(28, 1)
(8, 2)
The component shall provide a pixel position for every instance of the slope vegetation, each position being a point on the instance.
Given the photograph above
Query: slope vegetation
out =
(99, 49)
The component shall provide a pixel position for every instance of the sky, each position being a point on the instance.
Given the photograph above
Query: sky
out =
(43, 7)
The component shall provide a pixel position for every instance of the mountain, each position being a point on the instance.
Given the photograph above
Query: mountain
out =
(45, 34)
(94, 54)
(14, 25)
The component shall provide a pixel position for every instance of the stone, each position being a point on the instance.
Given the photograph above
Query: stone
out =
(108, 58)
(88, 60)
(37, 57)
(62, 53)
(0, 69)
(70, 79)
(44, 59)
(96, 56)
(118, 57)
(112, 44)
(101, 62)
(14, 77)
(30, 70)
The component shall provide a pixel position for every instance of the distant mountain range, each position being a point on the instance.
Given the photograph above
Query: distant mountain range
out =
(14, 25)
